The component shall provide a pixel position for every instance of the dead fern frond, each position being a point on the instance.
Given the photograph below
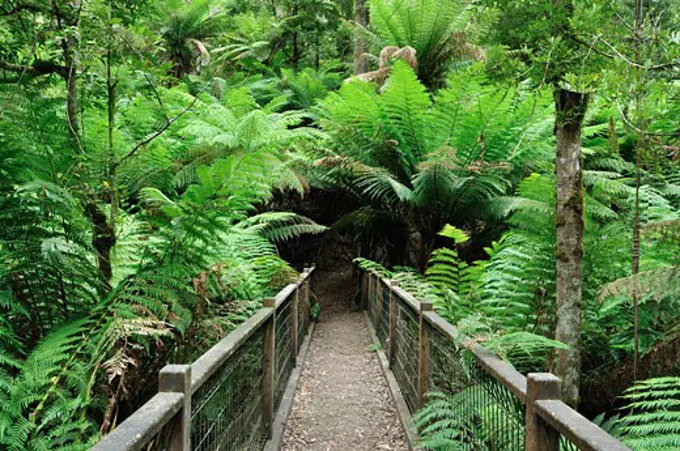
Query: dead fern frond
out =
(658, 283)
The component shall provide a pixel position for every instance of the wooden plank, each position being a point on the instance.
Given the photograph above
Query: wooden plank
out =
(577, 428)
(442, 325)
(378, 303)
(294, 326)
(502, 371)
(284, 294)
(216, 356)
(407, 298)
(139, 428)
(423, 356)
(269, 367)
(393, 327)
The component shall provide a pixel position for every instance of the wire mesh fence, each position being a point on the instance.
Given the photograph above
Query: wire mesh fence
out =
(567, 445)
(284, 355)
(162, 440)
(480, 397)
(234, 389)
(226, 411)
(405, 363)
(489, 416)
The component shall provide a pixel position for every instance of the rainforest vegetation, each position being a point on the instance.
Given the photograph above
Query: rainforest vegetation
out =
(515, 161)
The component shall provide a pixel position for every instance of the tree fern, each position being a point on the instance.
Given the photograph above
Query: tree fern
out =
(436, 30)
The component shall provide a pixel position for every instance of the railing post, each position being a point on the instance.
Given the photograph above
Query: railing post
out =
(540, 436)
(423, 355)
(378, 304)
(393, 325)
(269, 367)
(177, 379)
(294, 326)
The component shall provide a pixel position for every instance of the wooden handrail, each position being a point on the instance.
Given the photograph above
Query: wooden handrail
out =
(580, 431)
(206, 365)
(179, 382)
(144, 424)
(546, 418)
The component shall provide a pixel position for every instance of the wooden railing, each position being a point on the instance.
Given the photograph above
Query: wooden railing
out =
(497, 407)
(226, 399)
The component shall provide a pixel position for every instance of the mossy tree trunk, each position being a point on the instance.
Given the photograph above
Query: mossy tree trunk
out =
(570, 112)
(360, 46)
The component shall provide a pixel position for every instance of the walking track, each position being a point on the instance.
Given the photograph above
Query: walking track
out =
(342, 401)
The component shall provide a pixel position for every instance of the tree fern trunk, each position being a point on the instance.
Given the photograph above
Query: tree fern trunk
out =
(570, 111)
(360, 46)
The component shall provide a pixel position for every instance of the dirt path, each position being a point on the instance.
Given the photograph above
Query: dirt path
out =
(342, 401)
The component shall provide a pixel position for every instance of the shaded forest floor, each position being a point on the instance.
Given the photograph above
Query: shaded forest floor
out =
(342, 401)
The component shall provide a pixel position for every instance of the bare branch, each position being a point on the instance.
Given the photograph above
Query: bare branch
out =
(630, 125)
(36, 69)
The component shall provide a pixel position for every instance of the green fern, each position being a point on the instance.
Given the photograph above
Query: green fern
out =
(651, 418)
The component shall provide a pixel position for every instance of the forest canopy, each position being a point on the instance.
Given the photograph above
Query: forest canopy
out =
(165, 165)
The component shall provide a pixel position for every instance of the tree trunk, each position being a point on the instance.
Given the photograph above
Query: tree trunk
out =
(103, 238)
(360, 47)
(70, 18)
(570, 111)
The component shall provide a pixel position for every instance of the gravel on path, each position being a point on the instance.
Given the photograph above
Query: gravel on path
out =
(342, 401)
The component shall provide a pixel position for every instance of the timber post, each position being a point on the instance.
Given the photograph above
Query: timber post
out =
(177, 379)
(540, 436)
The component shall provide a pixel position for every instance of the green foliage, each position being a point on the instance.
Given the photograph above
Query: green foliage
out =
(431, 162)
(458, 421)
(185, 28)
(651, 419)
(438, 31)
(135, 222)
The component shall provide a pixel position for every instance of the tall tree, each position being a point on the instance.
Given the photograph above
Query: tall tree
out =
(59, 38)
(570, 109)
(543, 33)
(360, 45)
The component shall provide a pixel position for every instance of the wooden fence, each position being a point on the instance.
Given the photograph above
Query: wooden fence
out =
(495, 407)
(226, 399)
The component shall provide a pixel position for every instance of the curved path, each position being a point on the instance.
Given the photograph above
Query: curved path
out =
(342, 401)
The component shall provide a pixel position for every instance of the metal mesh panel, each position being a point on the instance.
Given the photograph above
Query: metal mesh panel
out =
(567, 445)
(491, 417)
(161, 441)
(284, 357)
(383, 326)
(372, 298)
(226, 411)
(405, 364)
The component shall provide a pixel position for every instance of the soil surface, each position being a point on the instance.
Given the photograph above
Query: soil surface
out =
(342, 401)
